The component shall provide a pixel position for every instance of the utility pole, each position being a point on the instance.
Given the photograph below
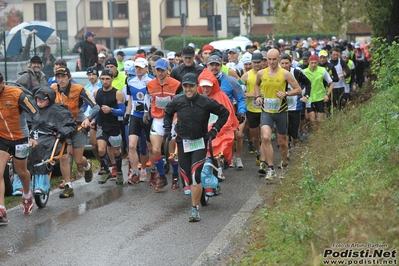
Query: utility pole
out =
(111, 27)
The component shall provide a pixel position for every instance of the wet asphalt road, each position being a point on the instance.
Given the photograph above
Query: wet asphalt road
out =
(131, 225)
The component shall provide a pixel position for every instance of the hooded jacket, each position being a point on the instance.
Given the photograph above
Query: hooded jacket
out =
(30, 79)
(224, 140)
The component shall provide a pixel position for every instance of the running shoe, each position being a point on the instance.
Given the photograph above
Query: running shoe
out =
(3, 217)
(103, 179)
(89, 172)
(175, 182)
(61, 185)
(221, 176)
(283, 169)
(262, 168)
(148, 163)
(194, 215)
(257, 160)
(133, 179)
(119, 178)
(233, 162)
(271, 173)
(187, 190)
(153, 178)
(143, 176)
(113, 172)
(251, 148)
(27, 204)
(239, 164)
(161, 183)
(67, 193)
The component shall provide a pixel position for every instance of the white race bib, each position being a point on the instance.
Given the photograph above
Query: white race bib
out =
(190, 145)
(271, 104)
(254, 105)
(161, 102)
(22, 150)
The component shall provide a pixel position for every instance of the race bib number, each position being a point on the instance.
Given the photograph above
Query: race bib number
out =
(115, 141)
(161, 102)
(22, 150)
(308, 104)
(291, 100)
(212, 118)
(190, 145)
(254, 105)
(271, 104)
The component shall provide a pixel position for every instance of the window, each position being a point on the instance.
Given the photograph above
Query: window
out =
(120, 10)
(206, 8)
(174, 8)
(144, 20)
(264, 8)
(96, 10)
(40, 11)
(233, 20)
(61, 19)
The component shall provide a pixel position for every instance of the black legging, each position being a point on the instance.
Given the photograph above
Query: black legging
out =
(190, 163)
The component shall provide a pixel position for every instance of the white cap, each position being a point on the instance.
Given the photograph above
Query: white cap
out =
(171, 55)
(357, 45)
(141, 62)
(280, 41)
(101, 55)
(246, 58)
(128, 64)
(205, 82)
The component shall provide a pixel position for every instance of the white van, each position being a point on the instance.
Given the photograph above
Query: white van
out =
(223, 45)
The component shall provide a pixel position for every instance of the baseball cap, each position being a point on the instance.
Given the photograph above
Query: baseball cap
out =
(120, 53)
(110, 61)
(357, 45)
(141, 62)
(346, 53)
(92, 70)
(280, 41)
(205, 82)
(132, 71)
(257, 57)
(36, 59)
(60, 62)
(90, 33)
(323, 53)
(234, 50)
(246, 58)
(188, 51)
(128, 64)
(42, 95)
(207, 47)
(162, 64)
(171, 55)
(63, 71)
(313, 57)
(215, 59)
(107, 72)
(100, 55)
(306, 55)
(189, 78)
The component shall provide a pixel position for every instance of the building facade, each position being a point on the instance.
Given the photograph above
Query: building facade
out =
(145, 22)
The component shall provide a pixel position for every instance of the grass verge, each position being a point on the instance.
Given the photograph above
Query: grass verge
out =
(343, 188)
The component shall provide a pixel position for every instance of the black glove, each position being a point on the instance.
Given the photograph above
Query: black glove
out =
(211, 134)
(241, 118)
(126, 119)
(167, 136)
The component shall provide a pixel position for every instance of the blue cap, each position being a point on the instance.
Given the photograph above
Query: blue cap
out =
(162, 64)
(132, 71)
